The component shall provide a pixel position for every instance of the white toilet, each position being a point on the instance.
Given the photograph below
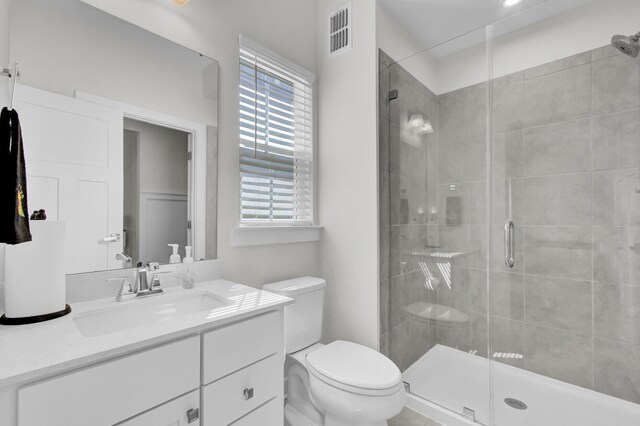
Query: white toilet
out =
(339, 384)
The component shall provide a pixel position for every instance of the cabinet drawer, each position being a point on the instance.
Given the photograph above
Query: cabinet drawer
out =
(173, 413)
(231, 348)
(270, 414)
(232, 397)
(116, 390)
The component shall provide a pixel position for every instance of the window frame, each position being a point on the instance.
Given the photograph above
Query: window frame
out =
(303, 104)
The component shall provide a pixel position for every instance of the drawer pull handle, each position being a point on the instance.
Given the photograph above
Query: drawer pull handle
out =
(248, 394)
(193, 415)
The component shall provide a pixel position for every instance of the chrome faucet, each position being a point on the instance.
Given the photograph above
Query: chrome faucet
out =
(141, 287)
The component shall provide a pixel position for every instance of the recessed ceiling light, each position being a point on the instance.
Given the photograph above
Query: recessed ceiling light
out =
(509, 3)
(183, 2)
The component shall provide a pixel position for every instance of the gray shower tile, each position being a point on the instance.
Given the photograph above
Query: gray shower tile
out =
(558, 148)
(617, 312)
(477, 202)
(453, 161)
(384, 59)
(453, 117)
(400, 292)
(458, 294)
(508, 155)
(508, 200)
(558, 200)
(561, 251)
(478, 101)
(556, 97)
(627, 197)
(507, 339)
(385, 251)
(384, 306)
(423, 338)
(559, 354)
(477, 247)
(616, 140)
(407, 154)
(507, 99)
(617, 371)
(456, 337)
(401, 260)
(616, 84)
(605, 198)
(558, 303)
(507, 293)
(383, 91)
(477, 159)
(559, 65)
(399, 342)
(384, 198)
(604, 52)
(616, 255)
(432, 161)
(383, 143)
(399, 187)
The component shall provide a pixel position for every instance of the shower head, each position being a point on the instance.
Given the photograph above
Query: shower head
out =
(627, 45)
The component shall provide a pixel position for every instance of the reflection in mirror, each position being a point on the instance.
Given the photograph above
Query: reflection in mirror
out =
(120, 134)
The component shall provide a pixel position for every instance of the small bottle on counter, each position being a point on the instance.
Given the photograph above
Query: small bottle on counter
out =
(187, 280)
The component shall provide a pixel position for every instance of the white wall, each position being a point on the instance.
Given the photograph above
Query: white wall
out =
(163, 158)
(212, 27)
(401, 45)
(570, 33)
(348, 175)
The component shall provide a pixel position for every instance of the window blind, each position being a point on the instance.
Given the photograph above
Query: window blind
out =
(276, 138)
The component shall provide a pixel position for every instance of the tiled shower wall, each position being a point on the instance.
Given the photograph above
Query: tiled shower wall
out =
(566, 147)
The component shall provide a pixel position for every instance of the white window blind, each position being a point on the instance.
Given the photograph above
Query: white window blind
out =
(276, 139)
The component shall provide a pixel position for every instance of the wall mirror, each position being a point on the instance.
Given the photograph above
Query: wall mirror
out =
(120, 134)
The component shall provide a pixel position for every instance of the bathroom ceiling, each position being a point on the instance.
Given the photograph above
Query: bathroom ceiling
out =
(434, 22)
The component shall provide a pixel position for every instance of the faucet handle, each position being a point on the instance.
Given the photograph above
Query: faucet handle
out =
(126, 288)
(155, 283)
(153, 266)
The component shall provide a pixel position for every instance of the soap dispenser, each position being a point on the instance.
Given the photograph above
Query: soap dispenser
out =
(188, 281)
(175, 257)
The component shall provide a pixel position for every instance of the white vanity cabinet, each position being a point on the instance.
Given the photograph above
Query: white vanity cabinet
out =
(226, 375)
(242, 380)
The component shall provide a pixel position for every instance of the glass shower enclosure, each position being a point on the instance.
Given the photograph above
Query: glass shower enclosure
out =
(509, 172)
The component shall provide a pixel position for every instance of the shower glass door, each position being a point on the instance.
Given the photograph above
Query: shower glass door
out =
(565, 205)
(434, 222)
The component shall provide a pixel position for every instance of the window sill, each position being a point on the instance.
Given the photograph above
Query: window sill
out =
(242, 236)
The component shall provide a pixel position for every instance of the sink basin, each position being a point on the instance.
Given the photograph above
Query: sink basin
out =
(149, 311)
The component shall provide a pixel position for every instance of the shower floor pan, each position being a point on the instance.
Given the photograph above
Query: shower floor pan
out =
(445, 381)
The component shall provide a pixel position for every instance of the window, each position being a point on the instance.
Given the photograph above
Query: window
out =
(276, 139)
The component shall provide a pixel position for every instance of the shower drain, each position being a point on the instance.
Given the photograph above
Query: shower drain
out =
(515, 403)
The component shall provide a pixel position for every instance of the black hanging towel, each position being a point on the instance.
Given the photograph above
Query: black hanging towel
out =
(14, 213)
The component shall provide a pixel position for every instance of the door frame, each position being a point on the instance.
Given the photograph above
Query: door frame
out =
(197, 203)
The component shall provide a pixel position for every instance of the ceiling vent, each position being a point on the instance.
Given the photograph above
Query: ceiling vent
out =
(340, 34)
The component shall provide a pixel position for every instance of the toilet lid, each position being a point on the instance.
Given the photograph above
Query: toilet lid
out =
(354, 365)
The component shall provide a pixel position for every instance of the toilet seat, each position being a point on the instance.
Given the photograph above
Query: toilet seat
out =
(354, 368)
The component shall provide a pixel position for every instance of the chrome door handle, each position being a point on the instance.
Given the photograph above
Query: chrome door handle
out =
(509, 244)
(113, 238)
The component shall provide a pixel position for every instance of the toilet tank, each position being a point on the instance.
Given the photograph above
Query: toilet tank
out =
(302, 319)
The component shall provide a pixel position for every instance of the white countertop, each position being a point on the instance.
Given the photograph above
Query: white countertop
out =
(38, 350)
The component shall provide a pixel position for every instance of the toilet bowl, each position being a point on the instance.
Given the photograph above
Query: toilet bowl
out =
(338, 384)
